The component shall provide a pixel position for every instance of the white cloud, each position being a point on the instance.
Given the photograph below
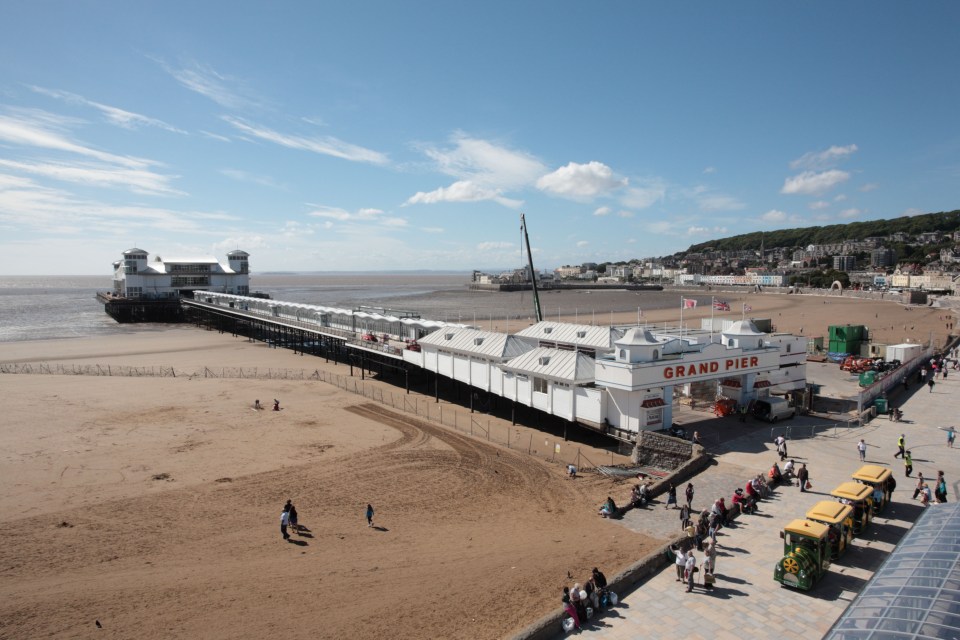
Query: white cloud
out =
(432, 229)
(651, 192)
(774, 216)
(494, 246)
(840, 197)
(818, 205)
(912, 211)
(710, 170)
(215, 136)
(244, 176)
(462, 191)
(115, 115)
(719, 202)
(624, 213)
(870, 186)
(822, 159)
(486, 163)
(360, 215)
(224, 90)
(850, 213)
(325, 145)
(137, 180)
(34, 128)
(601, 211)
(582, 243)
(26, 205)
(581, 181)
(700, 231)
(394, 222)
(813, 183)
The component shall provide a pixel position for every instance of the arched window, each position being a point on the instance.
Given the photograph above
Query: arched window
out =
(623, 354)
(656, 354)
(730, 342)
(789, 347)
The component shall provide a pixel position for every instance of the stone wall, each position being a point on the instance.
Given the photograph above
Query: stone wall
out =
(661, 451)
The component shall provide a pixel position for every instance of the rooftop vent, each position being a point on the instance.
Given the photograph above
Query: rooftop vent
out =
(545, 360)
(478, 341)
(581, 334)
(448, 336)
(548, 329)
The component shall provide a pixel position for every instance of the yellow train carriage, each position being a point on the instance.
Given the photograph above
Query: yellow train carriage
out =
(839, 519)
(860, 497)
(880, 479)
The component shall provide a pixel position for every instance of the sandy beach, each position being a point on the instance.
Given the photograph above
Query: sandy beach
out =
(152, 503)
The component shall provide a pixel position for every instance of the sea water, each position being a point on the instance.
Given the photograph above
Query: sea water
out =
(51, 307)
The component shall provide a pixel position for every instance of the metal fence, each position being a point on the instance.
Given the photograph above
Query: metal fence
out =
(543, 446)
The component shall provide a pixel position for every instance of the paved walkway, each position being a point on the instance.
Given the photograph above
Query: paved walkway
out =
(747, 602)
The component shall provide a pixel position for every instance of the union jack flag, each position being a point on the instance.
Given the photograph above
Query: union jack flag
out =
(689, 304)
(720, 305)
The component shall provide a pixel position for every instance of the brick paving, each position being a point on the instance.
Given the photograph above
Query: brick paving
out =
(747, 602)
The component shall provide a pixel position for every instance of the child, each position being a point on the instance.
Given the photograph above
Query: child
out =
(369, 515)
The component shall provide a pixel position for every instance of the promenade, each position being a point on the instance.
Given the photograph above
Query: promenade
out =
(747, 602)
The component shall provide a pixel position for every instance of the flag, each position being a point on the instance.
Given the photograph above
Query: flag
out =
(688, 304)
(720, 305)
(747, 307)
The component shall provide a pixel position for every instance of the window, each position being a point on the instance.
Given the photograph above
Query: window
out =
(545, 360)
(581, 334)
(539, 385)
(656, 354)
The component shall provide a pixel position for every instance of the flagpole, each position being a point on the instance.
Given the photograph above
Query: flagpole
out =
(713, 305)
(743, 310)
(681, 322)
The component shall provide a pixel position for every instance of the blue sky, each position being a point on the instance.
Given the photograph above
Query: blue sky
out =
(393, 136)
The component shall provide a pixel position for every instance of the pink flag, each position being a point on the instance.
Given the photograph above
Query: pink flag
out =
(747, 307)
(689, 304)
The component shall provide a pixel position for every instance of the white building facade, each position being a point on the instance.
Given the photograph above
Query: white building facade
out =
(136, 276)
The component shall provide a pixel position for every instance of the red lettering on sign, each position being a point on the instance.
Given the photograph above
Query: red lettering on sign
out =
(729, 364)
(754, 361)
(668, 373)
(743, 362)
(714, 367)
(680, 372)
(704, 368)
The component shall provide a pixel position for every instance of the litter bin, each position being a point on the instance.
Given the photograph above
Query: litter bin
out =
(881, 404)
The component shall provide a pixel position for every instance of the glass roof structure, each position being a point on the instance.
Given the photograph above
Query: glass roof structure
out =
(915, 594)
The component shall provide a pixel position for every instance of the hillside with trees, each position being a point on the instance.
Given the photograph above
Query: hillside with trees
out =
(945, 221)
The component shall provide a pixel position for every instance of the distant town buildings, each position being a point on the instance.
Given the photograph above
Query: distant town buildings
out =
(778, 266)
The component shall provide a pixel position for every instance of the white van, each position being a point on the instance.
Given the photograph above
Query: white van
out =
(773, 409)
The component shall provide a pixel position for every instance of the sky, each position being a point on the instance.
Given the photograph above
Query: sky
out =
(372, 136)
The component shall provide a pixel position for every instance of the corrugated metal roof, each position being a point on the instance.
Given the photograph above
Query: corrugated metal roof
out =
(580, 335)
(554, 364)
(489, 344)
(195, 260)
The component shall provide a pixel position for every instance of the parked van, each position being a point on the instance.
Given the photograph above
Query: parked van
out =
(772, 409)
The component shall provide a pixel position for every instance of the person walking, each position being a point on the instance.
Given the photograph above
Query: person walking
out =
(901, 444)
(689, 495)
(930, 384)
(908, 463)
(919, 487)
(940, 491)
(284, 521)
(862, 449)
(803, 476)
(369, 515)
(684, 517)
(781, 443)
(671, 497)
(951, 435)
(293, 520)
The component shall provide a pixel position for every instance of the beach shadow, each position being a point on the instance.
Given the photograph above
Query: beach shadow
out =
(304, 535)
(299, 543)
(733, 549)
(720, 576)
(379, 528)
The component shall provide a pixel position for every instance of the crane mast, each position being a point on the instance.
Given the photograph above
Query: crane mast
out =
(533, 273)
